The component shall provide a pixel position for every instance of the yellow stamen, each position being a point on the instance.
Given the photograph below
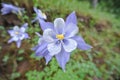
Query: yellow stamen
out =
(60, 36)
(16, 32)
(43, 14)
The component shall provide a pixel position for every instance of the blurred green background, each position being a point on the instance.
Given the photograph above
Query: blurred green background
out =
(99, 24)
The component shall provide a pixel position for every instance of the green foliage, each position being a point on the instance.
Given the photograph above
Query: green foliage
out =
(111, 5)
(14, 75)
(75, 70)
(5, 59)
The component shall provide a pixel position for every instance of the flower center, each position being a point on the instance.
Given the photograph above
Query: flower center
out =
(60, 36)
(16, 33)
(43, 14)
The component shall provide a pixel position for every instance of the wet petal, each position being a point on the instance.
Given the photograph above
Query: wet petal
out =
(48, 35)
(54, 48)
(71, 18)
(81, 43)
(62, 58)
(59, 25)
(71, 30)
(69, 45)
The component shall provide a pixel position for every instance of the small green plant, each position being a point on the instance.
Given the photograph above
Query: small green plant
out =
(75, 71)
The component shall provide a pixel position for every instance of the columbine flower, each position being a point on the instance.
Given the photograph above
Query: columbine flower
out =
(41, 49)
(40, 15)
(8, 8)
(61, 39)
(18, 34)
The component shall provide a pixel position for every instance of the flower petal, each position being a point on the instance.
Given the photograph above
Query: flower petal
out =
(25, 25)
(71, 30)
(26, 36)
(11, 32)
(15, 38)
(69, 45)
(59, 25)
(43, 53)
(71, 18)
(18, 43)
(48, 35)
(5, 11)
(35, 48)
(81, 43)
(44, 25)
(62, 58)
(16, 28)
(22, 29)
(10, 40)
(48, 58)
(39, 13)
(22, 36)
(41, 47)
(54, 48)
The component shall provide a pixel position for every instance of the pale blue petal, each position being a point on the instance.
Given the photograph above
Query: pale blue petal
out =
(48, 58)
(39, 13)
(22, 36)
(25, 26)
(54, 48)
(10, 40)
(26, 36)
(69, 45)
(62, 58)
(81, 43)
(71, 18)
(16, 28)
(48, 35)
(45, 25)
(71, 30)
(35, 48)
(15, 38)
(11, 32)
(43, 53)
(22, 29)
(59, 25)
(41, 47)
(5, 11)
(18, 43)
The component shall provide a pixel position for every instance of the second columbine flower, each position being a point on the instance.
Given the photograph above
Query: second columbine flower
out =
(18, 34)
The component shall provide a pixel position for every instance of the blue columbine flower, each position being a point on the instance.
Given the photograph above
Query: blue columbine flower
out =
(8, 8)
(41, 49)
(18, 34)
(61, 38)
(40, 15)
